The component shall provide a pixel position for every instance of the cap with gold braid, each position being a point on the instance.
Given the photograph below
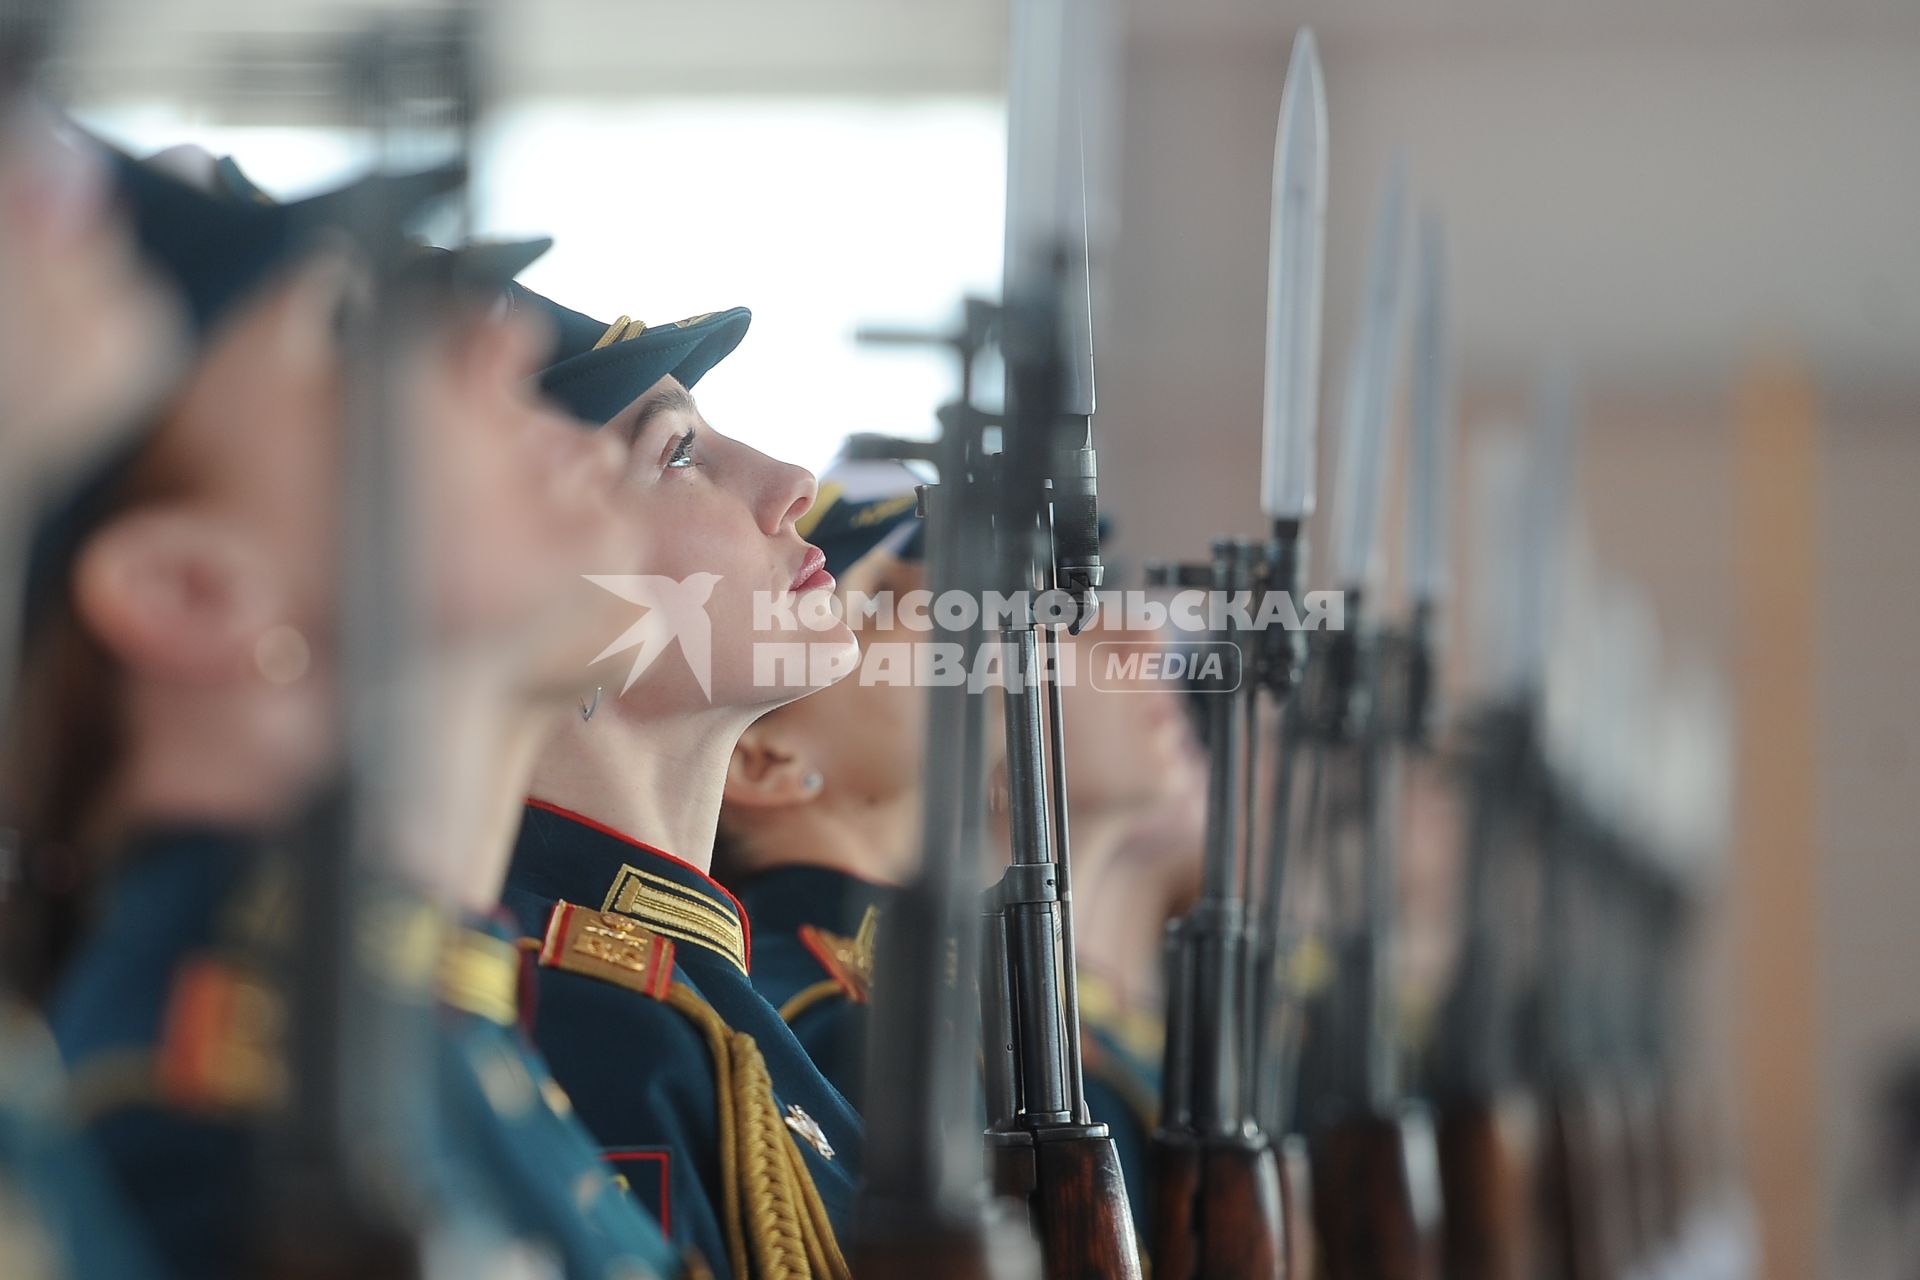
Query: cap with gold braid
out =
(598, 369)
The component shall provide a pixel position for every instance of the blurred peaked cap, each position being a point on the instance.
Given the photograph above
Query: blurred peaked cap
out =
(193, 165)
(869, 504)
(237, 185)
(484, 266)
(216, 250)
(598, 369)
(864, 505)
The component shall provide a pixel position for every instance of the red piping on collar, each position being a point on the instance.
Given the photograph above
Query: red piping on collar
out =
(746, 925)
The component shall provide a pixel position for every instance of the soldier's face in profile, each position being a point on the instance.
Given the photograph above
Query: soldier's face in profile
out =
(713, 515)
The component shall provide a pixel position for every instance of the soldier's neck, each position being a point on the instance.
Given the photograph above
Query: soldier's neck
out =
(872, 838)
(248, 760)
(658, 781)
(245, 757)
(478, 755)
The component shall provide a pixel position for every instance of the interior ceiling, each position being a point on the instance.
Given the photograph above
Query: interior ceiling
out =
(1660, 183)
(1549, 19)
(244, 57)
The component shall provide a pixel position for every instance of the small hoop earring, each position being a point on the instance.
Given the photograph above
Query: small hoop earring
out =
(281, 655)
(588, 708)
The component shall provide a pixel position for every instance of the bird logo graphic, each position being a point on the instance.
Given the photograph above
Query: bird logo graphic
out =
(675, 611)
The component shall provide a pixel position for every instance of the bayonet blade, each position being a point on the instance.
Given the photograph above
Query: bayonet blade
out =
(1369, 389)
(1296, 273)
(1433, 423)
(1077, 312)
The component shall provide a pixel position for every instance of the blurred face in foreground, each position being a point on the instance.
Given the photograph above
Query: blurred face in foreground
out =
(86, 335)
(216, 586)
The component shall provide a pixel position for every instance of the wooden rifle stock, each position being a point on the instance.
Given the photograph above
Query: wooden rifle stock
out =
(1219, 1211)
(1172, 1225)
(948, 1251)
(1069, 1179)
(1583, 1212)
(1242, 1215)
(1649, 1175)
(1086, 1224)
(1364, 1203)
(345, 1247)
(1487, 1183)
(1296, 1209)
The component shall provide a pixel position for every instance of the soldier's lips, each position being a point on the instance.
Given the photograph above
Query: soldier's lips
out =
(813, 572)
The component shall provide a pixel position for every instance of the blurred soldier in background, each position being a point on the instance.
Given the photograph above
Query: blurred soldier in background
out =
(821, 822)
(1121, 918)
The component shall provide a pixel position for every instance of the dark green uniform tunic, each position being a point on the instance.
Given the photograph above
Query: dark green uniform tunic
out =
(648, 1016)
(175, 1055)
(813, 930)
(813, 961)
(59, 1216)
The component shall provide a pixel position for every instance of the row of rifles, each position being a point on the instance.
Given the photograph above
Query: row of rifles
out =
(1532, 1125)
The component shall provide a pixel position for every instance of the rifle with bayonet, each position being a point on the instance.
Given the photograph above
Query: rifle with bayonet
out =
(1372, 1152)
(1045, 1151)
(348, 1197)
(1020, 524)
(1485, 1119)
(921, 1212)
(1600, 859)
(1221, 1191)
(1584, 1221)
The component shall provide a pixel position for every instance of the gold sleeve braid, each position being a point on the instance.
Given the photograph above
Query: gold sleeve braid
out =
(807, 997)
(771, 1211)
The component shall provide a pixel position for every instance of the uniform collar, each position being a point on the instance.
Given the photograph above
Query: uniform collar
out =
(566, 856)
(782, 899)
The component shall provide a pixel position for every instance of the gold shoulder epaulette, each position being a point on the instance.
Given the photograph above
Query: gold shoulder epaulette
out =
(480, 974)
(848, 961)
(222, 1043)
(608, 946)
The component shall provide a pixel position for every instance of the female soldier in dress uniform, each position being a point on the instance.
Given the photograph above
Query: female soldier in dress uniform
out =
(688, 1078)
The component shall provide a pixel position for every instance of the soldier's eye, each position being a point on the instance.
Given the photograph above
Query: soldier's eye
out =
(682, 455)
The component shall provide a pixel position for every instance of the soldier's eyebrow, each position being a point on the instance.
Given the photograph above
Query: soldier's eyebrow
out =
(668, 401)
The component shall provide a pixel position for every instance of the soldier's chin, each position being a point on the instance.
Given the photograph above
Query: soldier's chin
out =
(796, 664)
